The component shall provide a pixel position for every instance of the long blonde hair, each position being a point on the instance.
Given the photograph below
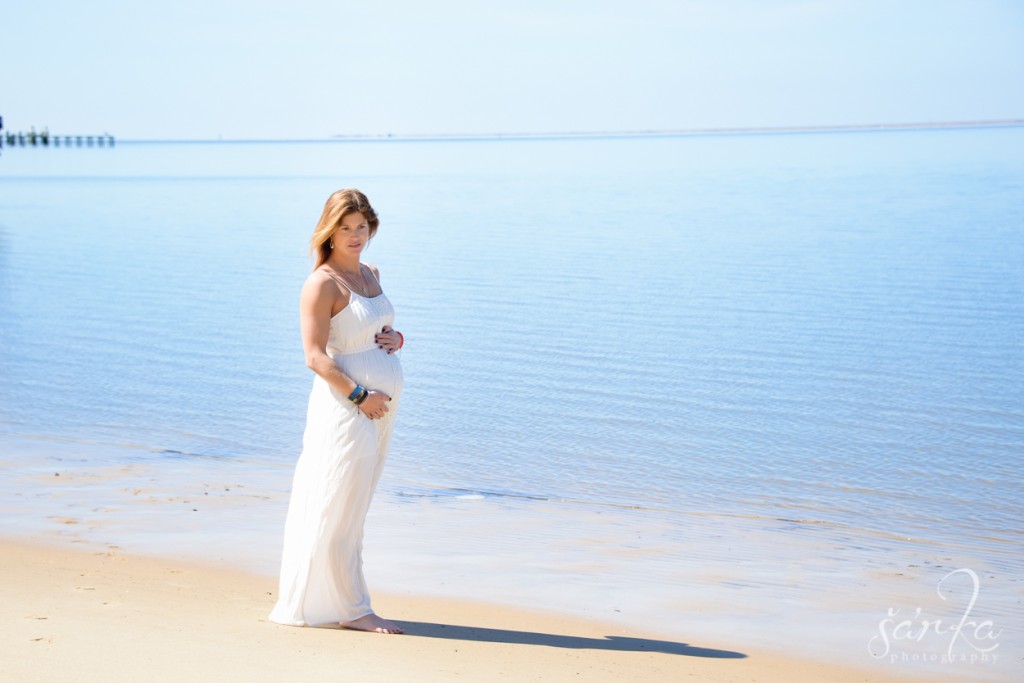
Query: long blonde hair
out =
(340, 204)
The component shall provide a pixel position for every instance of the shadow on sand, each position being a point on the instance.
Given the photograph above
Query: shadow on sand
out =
(425, 629)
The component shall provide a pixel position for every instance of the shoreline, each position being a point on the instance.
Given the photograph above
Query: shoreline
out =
(805, 592)
(76, 614)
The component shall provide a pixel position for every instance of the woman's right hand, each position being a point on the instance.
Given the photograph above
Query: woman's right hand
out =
(375, 405)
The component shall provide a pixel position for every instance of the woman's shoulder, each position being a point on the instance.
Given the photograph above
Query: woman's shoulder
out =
(317, 279)
(321, 283)
(322, 296)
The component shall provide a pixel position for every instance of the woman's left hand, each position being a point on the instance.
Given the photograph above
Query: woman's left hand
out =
(388, 339)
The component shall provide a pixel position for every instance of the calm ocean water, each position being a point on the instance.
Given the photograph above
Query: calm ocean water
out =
(824, 328)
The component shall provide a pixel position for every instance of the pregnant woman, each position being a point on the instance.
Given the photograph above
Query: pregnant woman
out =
(350, 345)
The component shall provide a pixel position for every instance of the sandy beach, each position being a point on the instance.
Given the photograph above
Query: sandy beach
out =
(169, 566)
(80, 615)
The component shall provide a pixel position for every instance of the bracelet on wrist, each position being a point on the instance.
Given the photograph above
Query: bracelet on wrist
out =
(358, 394)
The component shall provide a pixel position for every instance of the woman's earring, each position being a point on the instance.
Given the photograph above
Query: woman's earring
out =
(332, 243)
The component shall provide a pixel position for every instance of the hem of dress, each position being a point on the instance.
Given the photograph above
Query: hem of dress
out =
(359, 617)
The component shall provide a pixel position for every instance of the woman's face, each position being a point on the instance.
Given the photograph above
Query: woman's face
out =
(352, 235)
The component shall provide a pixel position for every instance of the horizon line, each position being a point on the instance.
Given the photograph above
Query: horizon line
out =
(730, 130)
(636, 133)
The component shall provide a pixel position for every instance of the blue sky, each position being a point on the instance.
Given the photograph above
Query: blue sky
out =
(203, 69)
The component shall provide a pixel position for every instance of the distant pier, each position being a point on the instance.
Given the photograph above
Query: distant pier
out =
(44, 138)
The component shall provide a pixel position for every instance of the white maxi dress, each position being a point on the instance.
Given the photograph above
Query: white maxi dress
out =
(343, 454)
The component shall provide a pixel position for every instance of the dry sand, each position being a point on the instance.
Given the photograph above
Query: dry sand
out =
(79, 615)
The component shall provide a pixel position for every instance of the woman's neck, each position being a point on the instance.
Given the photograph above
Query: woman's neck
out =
(344, 264)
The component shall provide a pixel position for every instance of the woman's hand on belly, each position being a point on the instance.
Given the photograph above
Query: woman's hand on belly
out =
(375, 405)
(388, 339)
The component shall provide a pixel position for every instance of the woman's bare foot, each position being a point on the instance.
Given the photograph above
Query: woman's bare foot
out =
(371, 622)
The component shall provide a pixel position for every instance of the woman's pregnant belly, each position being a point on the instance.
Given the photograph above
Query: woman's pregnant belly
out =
(375, 369)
